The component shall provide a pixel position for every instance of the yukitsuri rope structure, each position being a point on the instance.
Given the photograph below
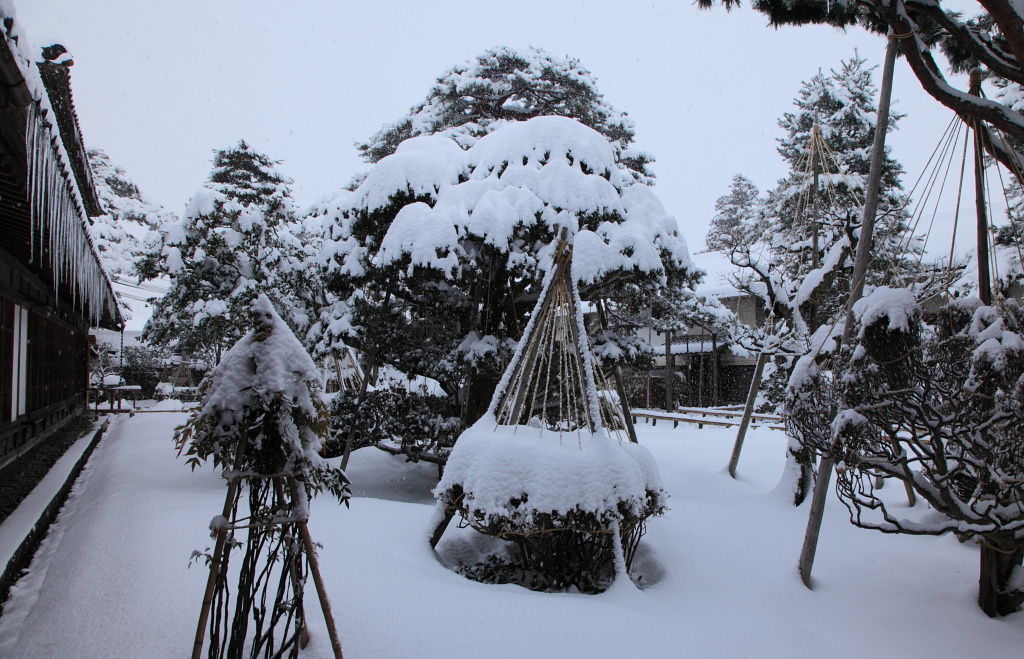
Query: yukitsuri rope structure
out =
(574, 514)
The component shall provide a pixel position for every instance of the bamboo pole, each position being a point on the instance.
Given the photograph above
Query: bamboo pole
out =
(860, 269)
(314, 569)
(981, 210)
(218, 551)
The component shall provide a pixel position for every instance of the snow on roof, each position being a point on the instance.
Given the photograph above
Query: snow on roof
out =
(53, 185)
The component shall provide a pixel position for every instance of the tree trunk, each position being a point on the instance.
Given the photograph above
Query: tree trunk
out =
(1000, 554)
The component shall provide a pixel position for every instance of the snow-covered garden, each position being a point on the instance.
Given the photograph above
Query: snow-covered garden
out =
(717, 573)
(475, 483)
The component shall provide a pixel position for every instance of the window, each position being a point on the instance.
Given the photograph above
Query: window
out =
(19, 374)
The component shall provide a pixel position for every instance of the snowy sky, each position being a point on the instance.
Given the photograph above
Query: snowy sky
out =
(159, 86)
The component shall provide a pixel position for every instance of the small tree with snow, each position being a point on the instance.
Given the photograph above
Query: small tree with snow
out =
(234, 240)
(263, 419)
(736, 219)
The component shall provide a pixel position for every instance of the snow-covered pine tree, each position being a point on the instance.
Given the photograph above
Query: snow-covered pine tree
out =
(234, 242)
(844, 106)
(129, 232)
(737, 217)
(436, 258)
(506, 84)
(774, 243)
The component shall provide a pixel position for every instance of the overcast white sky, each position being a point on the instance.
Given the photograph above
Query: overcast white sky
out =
(160, 85)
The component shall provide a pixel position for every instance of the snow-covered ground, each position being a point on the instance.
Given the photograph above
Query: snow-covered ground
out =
(113, 578)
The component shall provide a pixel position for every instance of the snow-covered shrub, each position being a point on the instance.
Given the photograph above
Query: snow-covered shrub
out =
(263, 419)
(412, 421)
(564, 500)
(938, 403)
(266, 391)
(141, 365)
(545, 468)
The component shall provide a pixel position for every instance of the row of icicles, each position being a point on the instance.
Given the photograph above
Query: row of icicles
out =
(57, 214)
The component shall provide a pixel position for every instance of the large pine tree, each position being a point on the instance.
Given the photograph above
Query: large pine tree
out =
(234, 242)
(772, 239)
(436, 260)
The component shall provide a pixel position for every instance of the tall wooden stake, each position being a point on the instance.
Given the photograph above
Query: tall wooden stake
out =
(984, 276)
(860, 269)
(748, 411)
(218, 551)
(314, 569)
(670, 375)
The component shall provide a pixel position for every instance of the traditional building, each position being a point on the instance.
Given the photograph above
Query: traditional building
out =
(710, 370)
(52, 286)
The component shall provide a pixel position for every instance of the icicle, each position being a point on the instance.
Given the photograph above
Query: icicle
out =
(58, 221)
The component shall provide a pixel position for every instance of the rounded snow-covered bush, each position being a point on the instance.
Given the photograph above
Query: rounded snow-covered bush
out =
(562, 498)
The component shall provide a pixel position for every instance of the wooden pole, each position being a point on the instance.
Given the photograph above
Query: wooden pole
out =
(984, 275)
(669, 373)
(561, 261)
(218, 551)
(815, 246)
(748, 411)
(860, 269)
(314, 569)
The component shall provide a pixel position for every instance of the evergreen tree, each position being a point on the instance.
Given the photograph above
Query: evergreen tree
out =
(234, 242)
(736, 214)
(773, 242)
(434, 260)
(842, 104)
(128, 233)
(506, 84)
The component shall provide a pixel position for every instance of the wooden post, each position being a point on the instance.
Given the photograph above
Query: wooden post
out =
(314, 569)
(748, 411)
(218, 551)
(669, 373)
(810, 546)
(716, 397)
(860, 269)
(984, 275)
